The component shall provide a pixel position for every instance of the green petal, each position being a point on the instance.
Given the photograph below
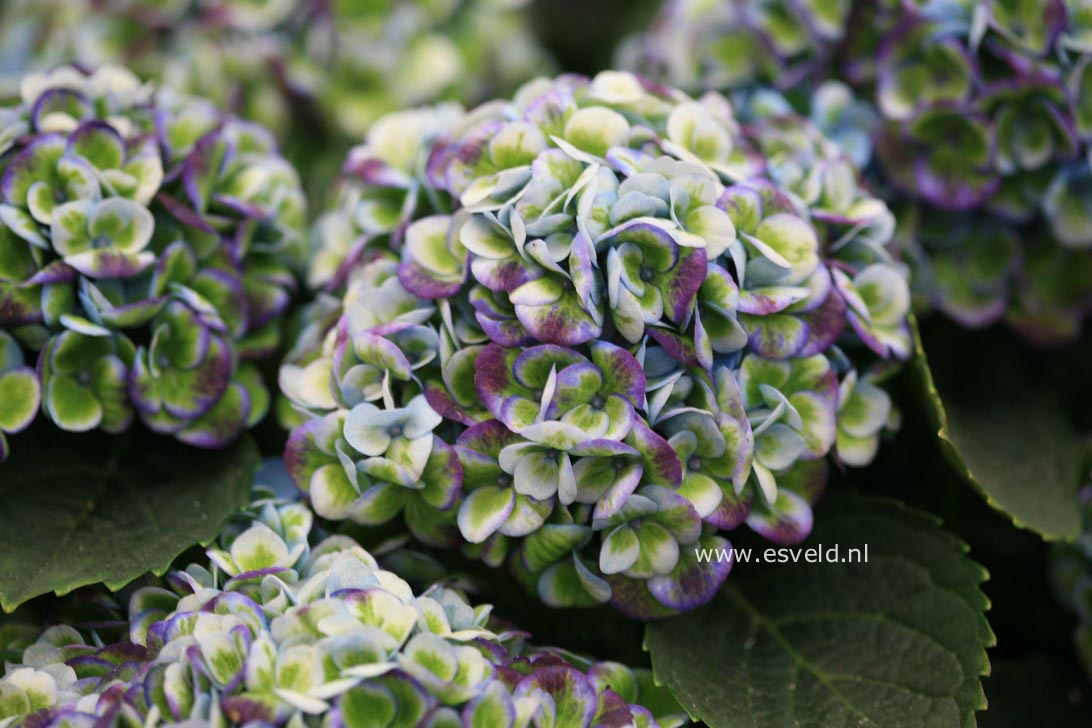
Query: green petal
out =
(379, 504)
(20, 396)
(620, 551)
(332, 493)
(595, 129)
(68, 229)
(484, 511)
(126, 224)
(865, 410)
(659, 552)
(72, 406)
(536, 474)
(562, 586)
(259, 547)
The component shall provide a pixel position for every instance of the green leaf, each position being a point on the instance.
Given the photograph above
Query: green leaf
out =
(897, 641)
(1004, 434)
(82, 509)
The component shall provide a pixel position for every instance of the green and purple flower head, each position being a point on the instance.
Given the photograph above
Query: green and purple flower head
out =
(302, 68)
(979, 115)
(146, 245)
(279, 627)
(612, 326)
(725, 44)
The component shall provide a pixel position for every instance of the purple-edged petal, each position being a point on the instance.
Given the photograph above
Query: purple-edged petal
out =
(190, 393)
(787, 522)
(531, 367)
(659, 460)
(693, 583)
(574, 697)
(443, 476)
(222, 424)
(420, 282)
(441, 401)
(19, 306)
(265, 301)
(187, 216)
(612, 501)
(56, 272)
(99, 143)
(824, 325)
(779, 336)
(487, 438)
(633, 600)
(564, 321)
(493, 707)
(504, 275)
(622, 373)
(493, 377)
(683, 284)
(603, 448)
(614, 712)
(680, 348)
(110, 264)
(770, 299)
(60, 100)
(506, 332)
(732, 510)
(26, 167)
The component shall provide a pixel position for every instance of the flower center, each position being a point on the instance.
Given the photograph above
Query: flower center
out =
(84, 378)
(693, 464)
(100, 241)
(646, 274)
(598, 401)
(395, 431)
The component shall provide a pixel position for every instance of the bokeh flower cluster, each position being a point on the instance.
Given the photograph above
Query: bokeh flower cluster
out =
(278, 627)
(592, 329)
(310, 70)
(146, 250)
(979, 114)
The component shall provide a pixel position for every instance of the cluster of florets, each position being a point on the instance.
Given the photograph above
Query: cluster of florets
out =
(349, 61)
(590, 330)
(275, 630)
(728, 44)
(982, 114)
(145, 251)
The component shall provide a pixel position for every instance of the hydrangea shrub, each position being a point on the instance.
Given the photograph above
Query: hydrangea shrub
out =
(591, 329)
(146, 250)
(279, 627)
(979, 115)
(342, 62)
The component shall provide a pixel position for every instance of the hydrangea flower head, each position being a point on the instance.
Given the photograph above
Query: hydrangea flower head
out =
(976, 112)
(147, 245)
(613, 326)
(309, 69)
(279, 627)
